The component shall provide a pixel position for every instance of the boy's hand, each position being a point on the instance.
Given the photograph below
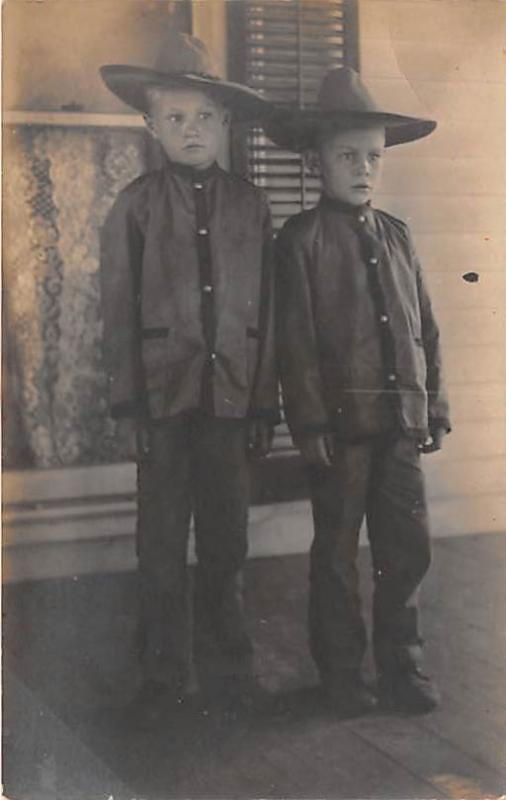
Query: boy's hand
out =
(317, 449)
(434, 441)
(260, 436)
(133, 439)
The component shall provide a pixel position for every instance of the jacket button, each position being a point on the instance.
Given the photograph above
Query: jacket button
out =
(373, 260)
(384, 318)
(361, 218)
(339, 410)
(202, 231)
(197, 186)
(207, 288)
(213, 356)
(392, 377)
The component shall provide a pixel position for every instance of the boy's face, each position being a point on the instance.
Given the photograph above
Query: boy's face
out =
(350, 163)
(188, 124)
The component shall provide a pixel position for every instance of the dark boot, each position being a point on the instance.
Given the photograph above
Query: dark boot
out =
(347, 695)
(407, 690)
(402, 684)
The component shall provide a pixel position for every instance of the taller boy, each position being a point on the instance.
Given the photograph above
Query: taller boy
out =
(187, 291)
(361, 375)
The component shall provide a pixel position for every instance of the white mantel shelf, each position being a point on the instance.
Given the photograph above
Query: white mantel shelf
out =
(76, 119)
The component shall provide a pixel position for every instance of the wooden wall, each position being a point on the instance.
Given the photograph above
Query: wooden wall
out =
(52, 50)
(448, 57)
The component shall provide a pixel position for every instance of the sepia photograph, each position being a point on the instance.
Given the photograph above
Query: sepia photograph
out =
(253, 399)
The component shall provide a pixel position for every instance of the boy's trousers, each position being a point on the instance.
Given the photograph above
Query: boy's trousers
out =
(196, 465)
(382, 480)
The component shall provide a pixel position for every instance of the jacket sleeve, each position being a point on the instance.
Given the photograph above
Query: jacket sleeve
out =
(438, 410)
(296, 338)
(121, 247)
(265, 393)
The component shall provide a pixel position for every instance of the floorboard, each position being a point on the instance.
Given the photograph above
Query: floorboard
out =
(69, 666)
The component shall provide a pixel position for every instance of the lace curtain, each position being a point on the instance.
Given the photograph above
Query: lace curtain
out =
(59, 184)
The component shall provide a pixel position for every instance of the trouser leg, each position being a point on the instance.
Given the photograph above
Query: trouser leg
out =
(164, 508)
(338, 495)
(220, 470)
(400, 545)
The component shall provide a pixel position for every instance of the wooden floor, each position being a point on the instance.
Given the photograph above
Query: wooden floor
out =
(68, 667)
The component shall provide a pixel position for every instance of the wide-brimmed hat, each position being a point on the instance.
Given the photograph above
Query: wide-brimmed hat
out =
(343, 102)
(183, 61)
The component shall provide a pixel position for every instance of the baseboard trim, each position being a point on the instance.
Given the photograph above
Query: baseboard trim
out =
(281, 529)
(64, 523)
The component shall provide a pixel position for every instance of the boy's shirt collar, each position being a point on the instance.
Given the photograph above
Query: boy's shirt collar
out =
(192, 174)
(333, 204)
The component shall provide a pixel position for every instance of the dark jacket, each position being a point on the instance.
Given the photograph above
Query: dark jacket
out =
(187, 296)
(358, 343)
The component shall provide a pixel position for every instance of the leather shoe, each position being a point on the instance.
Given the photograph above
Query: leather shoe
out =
(408, 690)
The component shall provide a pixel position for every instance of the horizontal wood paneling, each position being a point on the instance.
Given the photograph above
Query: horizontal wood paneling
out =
(444, 251)
(471, 364)
(451, 287)
(464, 138)
(476, 438)
(476, 475)
(447, 60)
(465, 214)
(462, 101)
(478, 402)
(422, 21)
(443, 176)
(473, 326)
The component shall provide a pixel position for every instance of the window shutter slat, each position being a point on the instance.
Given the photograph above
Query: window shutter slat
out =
(288, 45)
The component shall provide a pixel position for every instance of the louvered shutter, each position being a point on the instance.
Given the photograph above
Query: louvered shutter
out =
(283, 49)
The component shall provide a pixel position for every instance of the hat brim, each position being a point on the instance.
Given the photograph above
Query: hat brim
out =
(129, 83)
(298, 130)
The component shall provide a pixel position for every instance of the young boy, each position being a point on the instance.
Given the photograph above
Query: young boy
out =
(361, 376)
(187, 308)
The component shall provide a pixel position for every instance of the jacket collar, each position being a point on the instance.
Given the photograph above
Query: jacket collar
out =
(192, 174)
(332, 204)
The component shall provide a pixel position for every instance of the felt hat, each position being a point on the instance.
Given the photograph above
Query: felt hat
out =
(343, 102)
(182, 62)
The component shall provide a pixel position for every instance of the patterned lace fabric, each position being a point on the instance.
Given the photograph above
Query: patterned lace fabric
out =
(59, 184)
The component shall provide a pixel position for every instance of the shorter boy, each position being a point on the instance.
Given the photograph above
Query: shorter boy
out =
(186, 268)
(361, 376)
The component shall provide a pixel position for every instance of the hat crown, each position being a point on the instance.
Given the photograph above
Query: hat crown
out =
(183, 61)
(342, 90)
(184, 54)
(345, 102)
